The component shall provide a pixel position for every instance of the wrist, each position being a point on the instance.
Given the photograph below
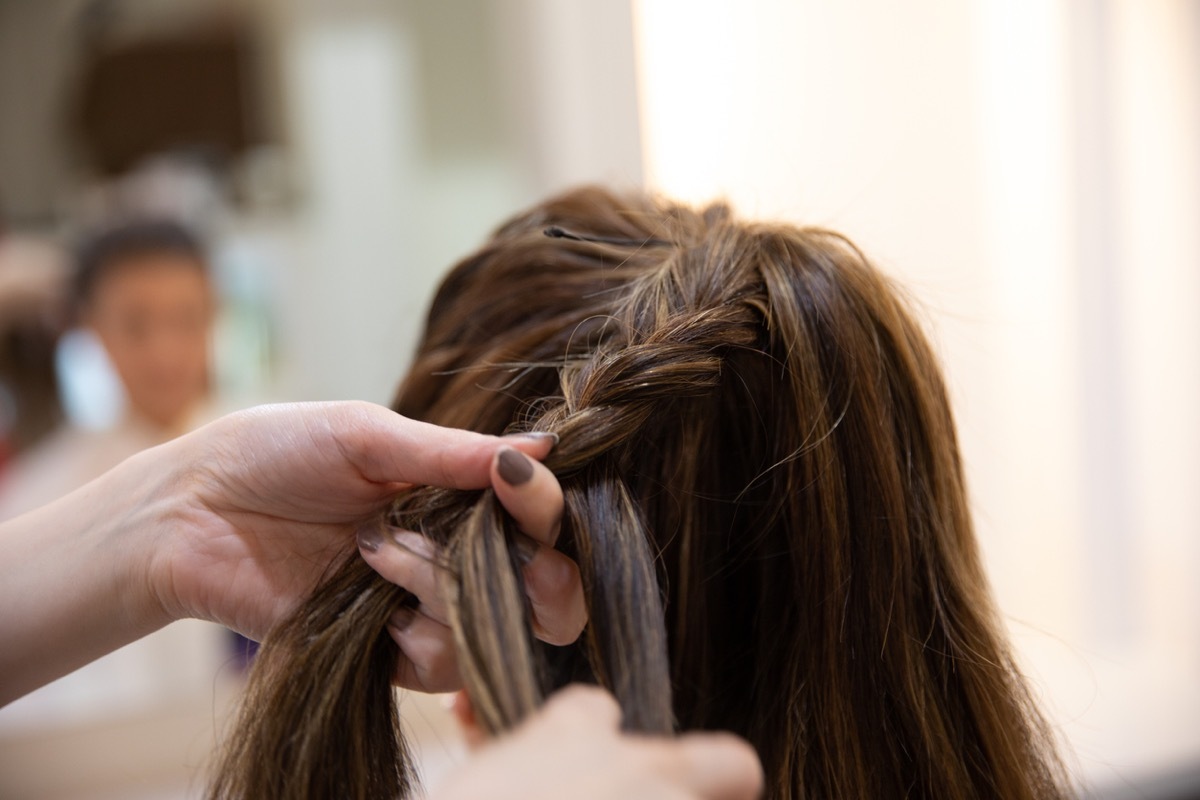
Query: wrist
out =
(133, 508)
(149, 525)
(75, 576)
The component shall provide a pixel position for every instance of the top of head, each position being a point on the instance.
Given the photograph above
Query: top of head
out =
(748, 327)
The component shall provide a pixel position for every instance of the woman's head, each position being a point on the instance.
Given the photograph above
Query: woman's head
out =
(762, 489)
(748, 412)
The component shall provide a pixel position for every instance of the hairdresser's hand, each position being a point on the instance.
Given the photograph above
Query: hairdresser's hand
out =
(274, 493)
(573, 748)
(532, 496)
(235, 523)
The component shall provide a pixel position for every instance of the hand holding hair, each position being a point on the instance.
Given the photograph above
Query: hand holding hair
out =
(532, 495)
(236, 523)
(572, 747)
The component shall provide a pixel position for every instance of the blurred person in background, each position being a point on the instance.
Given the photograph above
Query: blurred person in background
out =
(143, 290)
(143, 298)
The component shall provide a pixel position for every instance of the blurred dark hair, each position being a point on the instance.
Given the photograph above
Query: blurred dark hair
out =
(102, 251)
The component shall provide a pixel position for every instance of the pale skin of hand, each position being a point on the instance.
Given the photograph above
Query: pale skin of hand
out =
(573, 747)
(234, 523)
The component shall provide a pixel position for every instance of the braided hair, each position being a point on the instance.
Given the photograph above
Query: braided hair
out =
(762, 489)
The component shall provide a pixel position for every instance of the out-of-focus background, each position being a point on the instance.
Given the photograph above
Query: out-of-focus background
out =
(1030, 169)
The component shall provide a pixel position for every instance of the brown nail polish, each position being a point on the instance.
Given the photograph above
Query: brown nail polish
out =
(402, 617)
(370, 536)
(526, 548)
(514, 467)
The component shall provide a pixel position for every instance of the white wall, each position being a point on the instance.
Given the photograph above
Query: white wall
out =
(417, 129)
(1029, 169)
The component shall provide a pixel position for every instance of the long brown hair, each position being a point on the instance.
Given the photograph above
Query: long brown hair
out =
(764, 494)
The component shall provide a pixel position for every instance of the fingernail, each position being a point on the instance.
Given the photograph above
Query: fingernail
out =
(402, 617)
(537, 436)
(514, 467)
(370, 536)
(526, 548)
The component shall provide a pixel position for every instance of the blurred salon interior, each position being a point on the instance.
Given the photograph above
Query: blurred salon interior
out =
(208, 205)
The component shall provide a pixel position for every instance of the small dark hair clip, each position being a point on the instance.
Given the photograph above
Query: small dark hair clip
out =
(555, 232)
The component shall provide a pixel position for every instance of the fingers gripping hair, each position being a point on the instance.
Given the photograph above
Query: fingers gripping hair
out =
(504, 671)
(665, 350)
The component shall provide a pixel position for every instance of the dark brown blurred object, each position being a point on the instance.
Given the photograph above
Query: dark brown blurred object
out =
(27, 372)
(33, 289)
(148, 96)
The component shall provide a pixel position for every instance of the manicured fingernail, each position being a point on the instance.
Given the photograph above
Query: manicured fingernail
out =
(514, 467)
(402, 617)
(526, 548)
(537, 436)
(370, 536)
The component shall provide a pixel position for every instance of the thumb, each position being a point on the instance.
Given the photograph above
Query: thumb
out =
(720, 766)
(389, 448)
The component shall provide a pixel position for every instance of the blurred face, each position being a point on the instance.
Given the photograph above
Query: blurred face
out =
(153, 312)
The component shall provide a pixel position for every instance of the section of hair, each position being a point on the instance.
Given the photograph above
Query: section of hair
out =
(317, 719)
(763, 491)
